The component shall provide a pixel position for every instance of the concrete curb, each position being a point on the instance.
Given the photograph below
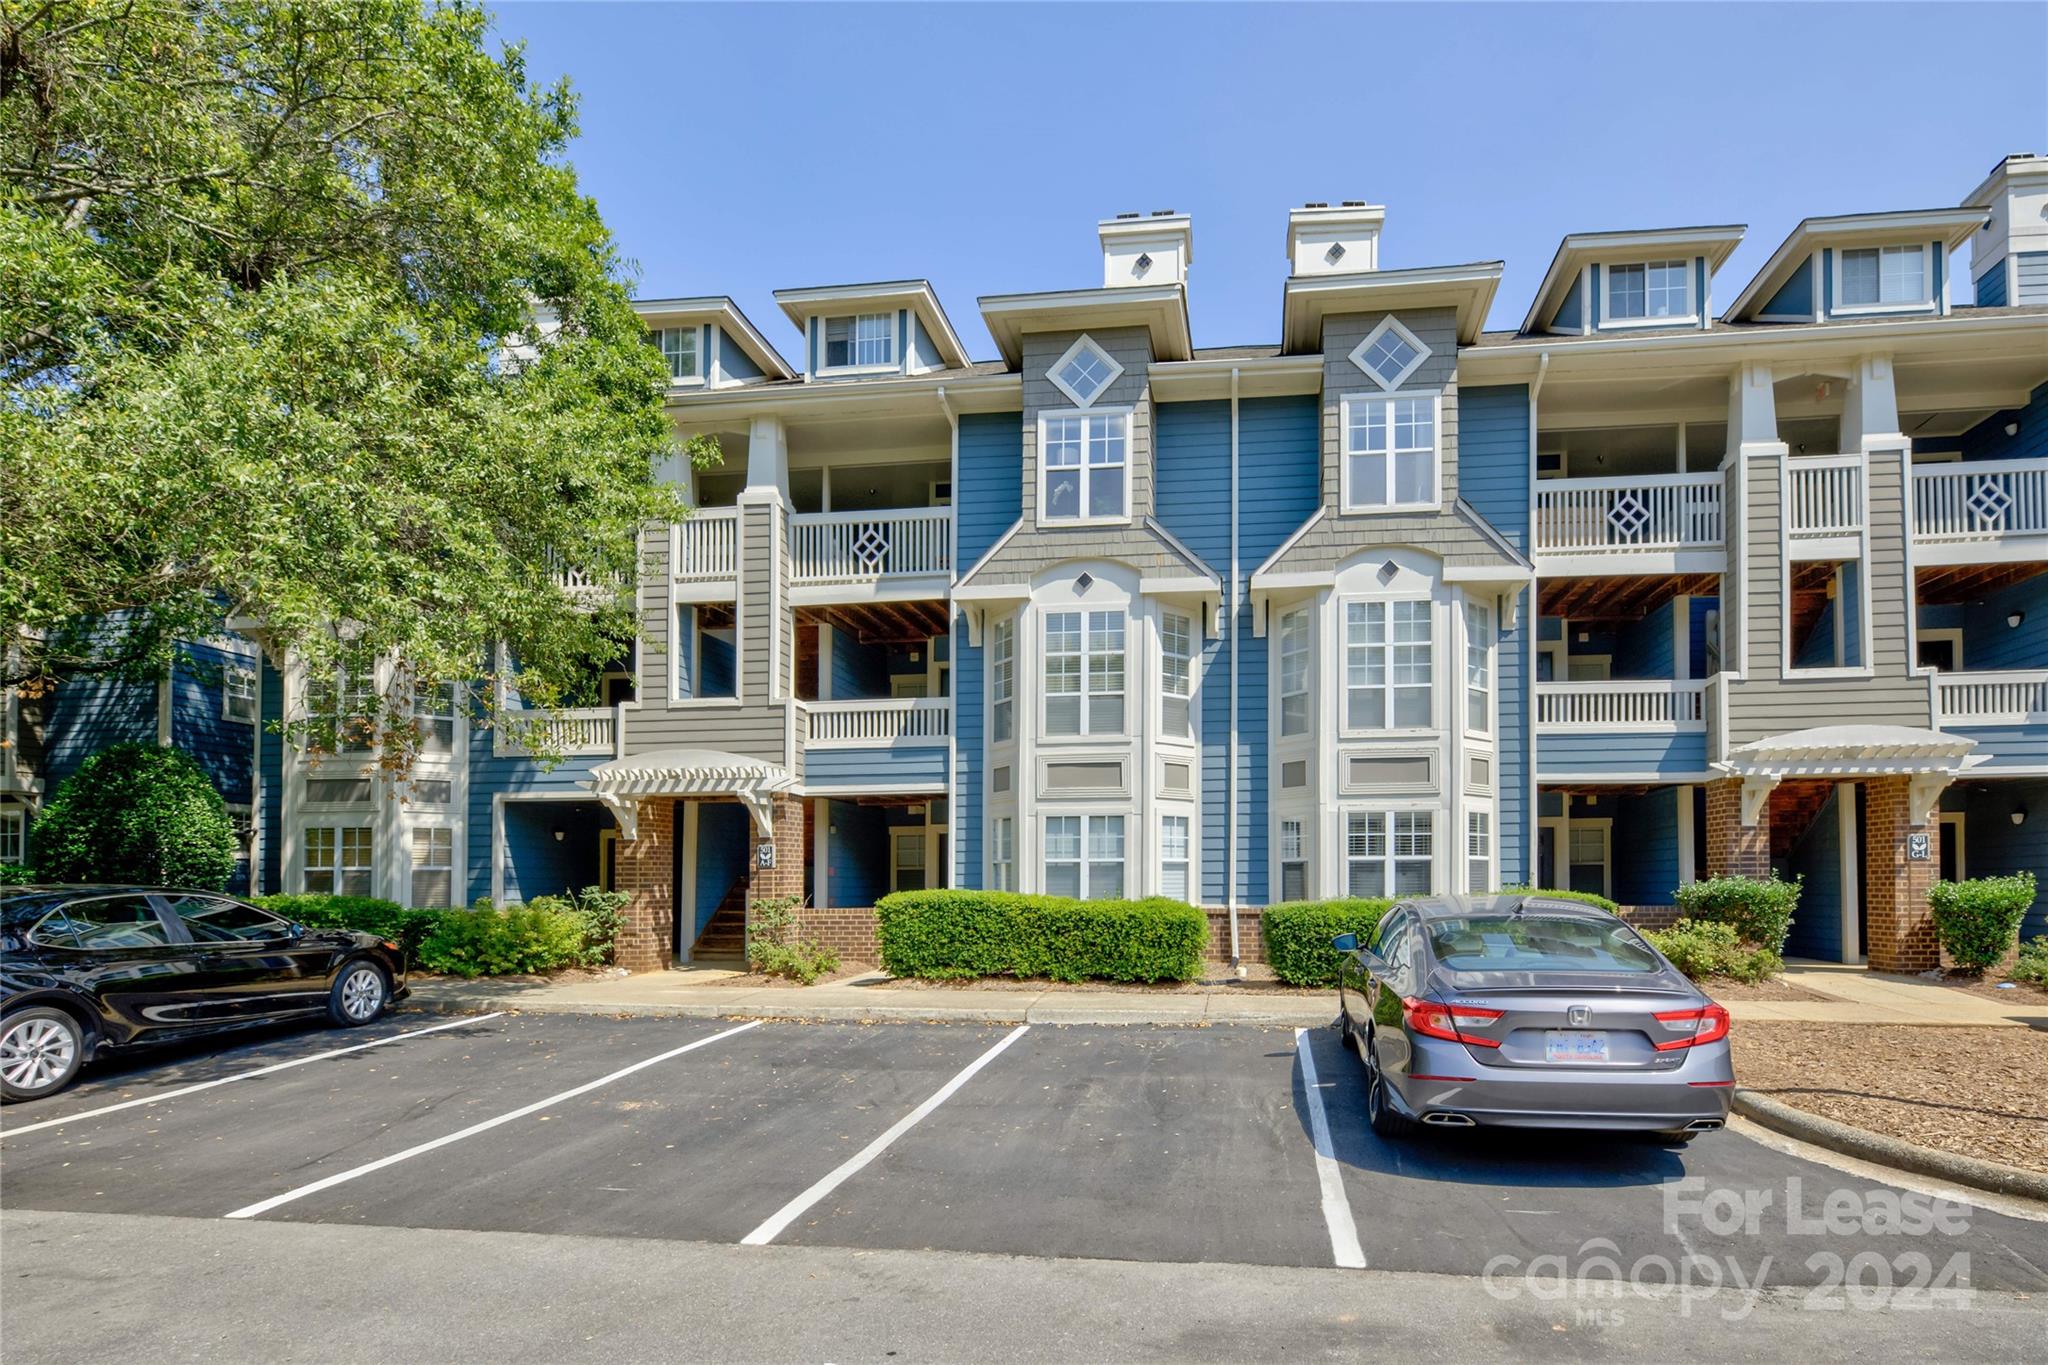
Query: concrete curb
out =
(1890, 1151)
(1037, 1011)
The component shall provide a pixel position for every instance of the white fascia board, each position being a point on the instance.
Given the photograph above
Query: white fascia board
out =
(1951, 226)
(727, 314)
(1161, 309)
(991, 592)
(1258, 377)
(1307, 299)
(884, 397)
(1487, 573)
(1715, 243)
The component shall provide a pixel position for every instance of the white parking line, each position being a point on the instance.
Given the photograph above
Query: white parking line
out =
(343, 1177)
(242, 1076)
(1336, 1208)
(795, 1208)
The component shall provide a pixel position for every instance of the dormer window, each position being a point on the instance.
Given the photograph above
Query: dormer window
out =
(1390, 354)
(1876, 277)
(1084, 372)
(863, 341)
(1653, 291)
(679, 349)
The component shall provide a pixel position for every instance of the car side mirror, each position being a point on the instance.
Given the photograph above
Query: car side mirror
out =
(295, 931)
(1345, 943)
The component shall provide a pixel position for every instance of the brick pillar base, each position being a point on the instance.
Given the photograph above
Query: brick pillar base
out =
(646, 871)
(1900, 926)
(1733, 848)
(786, 878)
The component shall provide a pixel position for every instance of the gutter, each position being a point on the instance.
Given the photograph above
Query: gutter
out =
(1230, 640)
(952, 654)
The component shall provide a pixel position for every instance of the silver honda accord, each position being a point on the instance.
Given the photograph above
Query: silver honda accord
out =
(1523, 1011)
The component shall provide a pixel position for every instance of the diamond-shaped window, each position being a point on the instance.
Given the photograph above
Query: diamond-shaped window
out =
(1084, 372)
(1390, 354)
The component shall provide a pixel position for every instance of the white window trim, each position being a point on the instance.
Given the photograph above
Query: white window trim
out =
(1690, 317)
(1083, 734)
(1044, 471)
(452, 866)
(1343, 666)
(1492, 849)
(1344, 452)
(1924, 304)
(1465, 688)
(1084, 342)
(1004, 632)
(227, 695)
(15, 818)
(1192, 861)
(1438, 819)
(891, 366)
(1389, 324)
(1304, 855)
(1953, 634)
(1190, 661)
(675, 381)
(1307, 613)
(1085, 815)
(997, 826)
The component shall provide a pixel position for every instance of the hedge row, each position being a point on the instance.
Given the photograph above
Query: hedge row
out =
(1582, 897)
(1298, 935)
(955, 933)
(546, 933)
(387, 919)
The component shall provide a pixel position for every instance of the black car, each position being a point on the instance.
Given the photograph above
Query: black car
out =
(85, 969)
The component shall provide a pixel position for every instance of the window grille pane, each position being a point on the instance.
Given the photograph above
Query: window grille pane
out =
(1366, 879)
(1293, 882)
(1860, 276)
(1106, 492)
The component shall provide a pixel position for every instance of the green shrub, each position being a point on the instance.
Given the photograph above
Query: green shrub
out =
(2032, 965)
(1760, 908)
(1978, 921)
(601, 913)
(14, 874)
(386, 919)
(1709, 948)
(1582, 897)
(774, 947)
(956, 933)
(136, 813)
(1298, 935)
(487, 942)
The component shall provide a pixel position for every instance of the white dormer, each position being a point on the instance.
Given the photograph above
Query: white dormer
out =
(1344, 240)
(2009, 254)
(708, 343)
(1140, 250)
(1858, 265)
(866, 331)
(1626, 281)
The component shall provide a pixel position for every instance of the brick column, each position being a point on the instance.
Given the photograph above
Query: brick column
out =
(1900, 924)
(646, 871)
(1733, 848)
(786, 878)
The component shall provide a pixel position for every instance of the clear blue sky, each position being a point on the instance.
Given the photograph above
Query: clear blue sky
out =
(740, 149)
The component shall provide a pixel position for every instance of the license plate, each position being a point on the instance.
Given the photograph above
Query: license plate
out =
(1574, 1047)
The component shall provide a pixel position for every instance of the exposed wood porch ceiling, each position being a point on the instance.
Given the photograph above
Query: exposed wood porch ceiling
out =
(881, 623)
(714, 616)
(1621, 598)
(1948, 584)
(1810, 581)
(1603, 788)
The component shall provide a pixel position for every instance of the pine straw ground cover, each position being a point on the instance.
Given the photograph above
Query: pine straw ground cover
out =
(1980, 1092)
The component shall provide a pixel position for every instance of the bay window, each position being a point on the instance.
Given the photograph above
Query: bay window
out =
(1176, 672)
(1388, 669)
(1293, 862)
(1390, 455)
(1478, 668)
(1084, 673)
(1003, 854)
(433, 868)
(1173, 857)
(1294, 673)
(1389, 853)
(1084, 856)
(1085, 458)
(339, 860)
(1478, 851)
(1002, 684)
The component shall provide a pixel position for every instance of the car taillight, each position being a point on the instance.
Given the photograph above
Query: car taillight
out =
(1432, 1020)
(1701, 1026)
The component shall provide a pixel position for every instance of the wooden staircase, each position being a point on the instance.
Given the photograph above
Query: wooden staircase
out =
(1794, 806)
(724, 940)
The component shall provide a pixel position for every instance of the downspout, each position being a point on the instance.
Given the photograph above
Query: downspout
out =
(1533, 814)
(1230, 640)
(952, 653)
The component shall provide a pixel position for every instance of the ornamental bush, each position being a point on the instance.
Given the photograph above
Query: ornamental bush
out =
(601, 912)
(136, 813)
(1978, 921)
(487, 942)
(1582, 897)
(1710, 948)
(1298, 935)
(2032, 964)
(775, 948)
(1760, 908)
(956, 933)
(14, 874)
(386, 919)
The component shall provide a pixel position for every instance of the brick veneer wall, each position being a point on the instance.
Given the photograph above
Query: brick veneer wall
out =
(1733, 848)
(849, 932)
(1650, 916)
(1900, 922)
(786, 878)
(646, 872)
(1251, 935)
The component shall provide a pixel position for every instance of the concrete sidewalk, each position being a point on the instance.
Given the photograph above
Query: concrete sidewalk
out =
(1855, 996)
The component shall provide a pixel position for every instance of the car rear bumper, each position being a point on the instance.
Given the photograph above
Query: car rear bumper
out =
(1698, 1090)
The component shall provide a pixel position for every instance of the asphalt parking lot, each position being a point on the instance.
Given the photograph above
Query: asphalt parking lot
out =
(1127, 1143)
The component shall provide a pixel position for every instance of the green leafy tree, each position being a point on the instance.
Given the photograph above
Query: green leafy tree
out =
(136, 813)
(306, 325)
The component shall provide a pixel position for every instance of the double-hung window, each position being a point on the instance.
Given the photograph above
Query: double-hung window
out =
(13, 835)
(1879, 275)
(1002, 686)
(1478, 852)
(1390, 454)
(433, 868)
(433, 710)
(1173, 857)
(1003, 854)
(679, 349)
(1086, 458)
(1478, 668)
(238, 693)
(339, 860)
(1176, 672)
(1388, 669)
(1084, 856)
(1293, 862)
(860, 341)
(1084, 673)
(1389, 853)
(1656, 289)
(1294, 673)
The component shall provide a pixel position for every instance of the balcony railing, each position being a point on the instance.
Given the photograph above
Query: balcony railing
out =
(1618, 516)
(1652, 704)
(1824, 495)
(706, 547)
(863, 547)
(2018, 697)
(570, 733)
(879, 723)
(1980, 500)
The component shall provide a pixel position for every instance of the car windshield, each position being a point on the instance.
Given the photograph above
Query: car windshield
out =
(1533, 943)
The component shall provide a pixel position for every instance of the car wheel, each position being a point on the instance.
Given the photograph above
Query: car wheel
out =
(1380, 1112)
(359, 995)
(41, 1050)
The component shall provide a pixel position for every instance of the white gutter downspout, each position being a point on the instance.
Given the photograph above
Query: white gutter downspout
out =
(1532, 821)
(952, 654)
(1230, 639)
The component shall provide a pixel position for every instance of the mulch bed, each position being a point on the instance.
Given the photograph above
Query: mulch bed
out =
(1980, 1092)
(1777, 988)
(757, 980)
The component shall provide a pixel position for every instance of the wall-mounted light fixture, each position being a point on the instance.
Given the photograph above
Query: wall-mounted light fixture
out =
(2014, 617)
(2019, 815)
(2012, 428)
(560, 834)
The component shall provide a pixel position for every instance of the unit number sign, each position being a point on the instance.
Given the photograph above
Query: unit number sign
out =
(1918, 847)
(764, 853)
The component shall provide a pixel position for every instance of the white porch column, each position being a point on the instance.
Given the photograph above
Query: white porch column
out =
(1870, 410)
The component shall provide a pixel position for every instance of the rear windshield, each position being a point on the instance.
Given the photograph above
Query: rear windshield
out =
(1532, 943)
